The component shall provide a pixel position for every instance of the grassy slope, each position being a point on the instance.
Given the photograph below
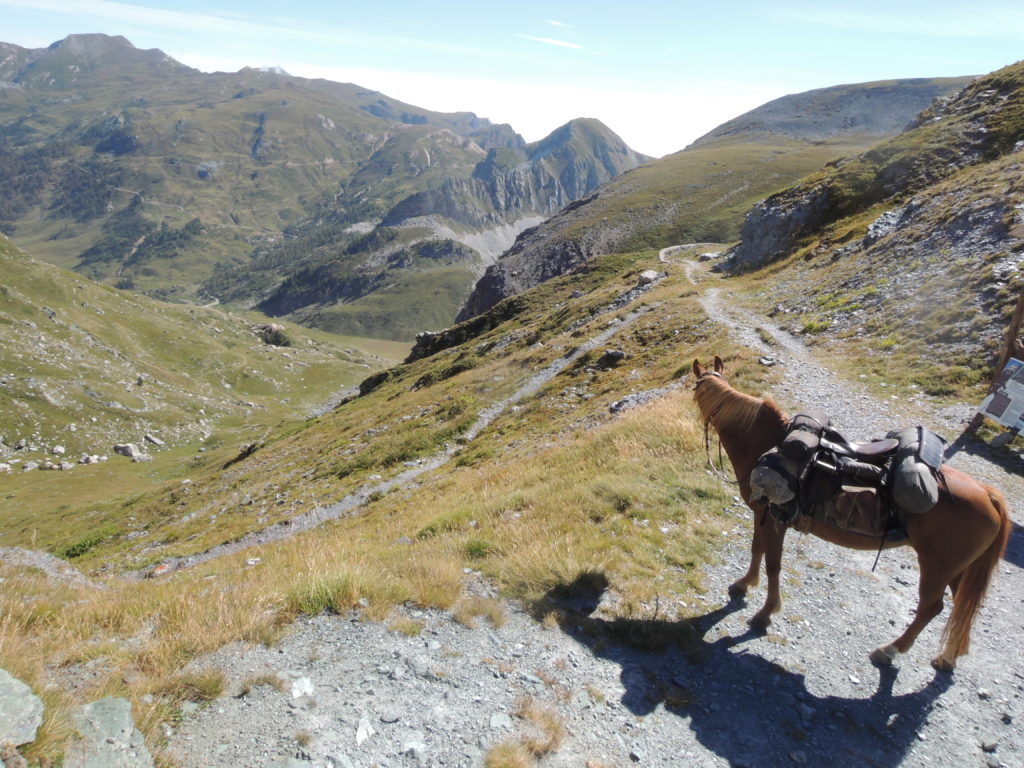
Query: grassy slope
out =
(553, 488)
(85, 366)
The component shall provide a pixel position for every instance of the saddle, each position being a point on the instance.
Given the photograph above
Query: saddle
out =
(868, 488)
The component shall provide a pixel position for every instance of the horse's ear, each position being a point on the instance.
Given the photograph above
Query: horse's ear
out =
(697, 370)
(719, 365)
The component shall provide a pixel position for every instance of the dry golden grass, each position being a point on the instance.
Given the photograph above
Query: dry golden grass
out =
(627, 497)
(508, 754)
(406, 626)
(467, 610)
(555, 514)
(547, 728)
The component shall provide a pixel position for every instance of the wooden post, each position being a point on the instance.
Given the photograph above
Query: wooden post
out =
(1010, 349)
(1010, 344)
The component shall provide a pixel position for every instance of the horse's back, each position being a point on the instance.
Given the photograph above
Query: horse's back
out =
(968, 512)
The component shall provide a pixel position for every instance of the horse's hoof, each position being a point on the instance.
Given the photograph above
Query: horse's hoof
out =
(759, 622)
(942, 665)
(737, 591)
(884, 656)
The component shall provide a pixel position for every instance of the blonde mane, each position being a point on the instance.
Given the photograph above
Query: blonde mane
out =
(730, 409)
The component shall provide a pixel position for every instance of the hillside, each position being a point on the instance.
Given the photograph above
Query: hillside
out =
(84, 367)
(920, 240)
(140, 172)
(702, 193)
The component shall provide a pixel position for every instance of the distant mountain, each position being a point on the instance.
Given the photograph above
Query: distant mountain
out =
(260, 188)
(702, 193)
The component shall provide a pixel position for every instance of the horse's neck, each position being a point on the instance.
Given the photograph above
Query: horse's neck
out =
(744, 444)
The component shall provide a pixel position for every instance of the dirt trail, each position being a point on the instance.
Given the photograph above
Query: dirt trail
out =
(353, 501)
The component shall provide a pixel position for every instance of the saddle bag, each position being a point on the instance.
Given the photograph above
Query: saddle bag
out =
(919, 456)
(858, 510)
(803, 436)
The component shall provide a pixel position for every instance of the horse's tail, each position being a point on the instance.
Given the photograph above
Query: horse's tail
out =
(974, 581)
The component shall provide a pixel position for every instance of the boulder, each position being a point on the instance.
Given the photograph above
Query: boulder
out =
(21, 711)
(648, 276)
(131, 450)
(108, 737)
(610, 358)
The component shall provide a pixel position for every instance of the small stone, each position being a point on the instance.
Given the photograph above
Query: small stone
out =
(415, 749)
(302, 687)
(501, 721)
(364, 730)
(647, 277)
(799, 757)
(854, 679)
(984, 694)
(989, 746)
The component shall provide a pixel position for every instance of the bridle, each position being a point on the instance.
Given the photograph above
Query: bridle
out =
(719, 471)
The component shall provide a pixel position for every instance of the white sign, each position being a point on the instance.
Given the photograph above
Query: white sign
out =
(1005, 403)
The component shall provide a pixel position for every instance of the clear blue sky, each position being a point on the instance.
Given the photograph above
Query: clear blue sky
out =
(659, 74)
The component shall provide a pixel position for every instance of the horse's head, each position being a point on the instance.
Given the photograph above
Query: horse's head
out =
(700, 372)
(709, 384)
(728, 408)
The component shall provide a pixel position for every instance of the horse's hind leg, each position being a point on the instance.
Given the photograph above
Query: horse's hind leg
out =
(929, 605)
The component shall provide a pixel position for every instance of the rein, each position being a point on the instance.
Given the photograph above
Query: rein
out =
(719, 471)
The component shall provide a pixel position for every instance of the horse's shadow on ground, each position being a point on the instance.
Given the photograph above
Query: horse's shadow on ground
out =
(747, 710)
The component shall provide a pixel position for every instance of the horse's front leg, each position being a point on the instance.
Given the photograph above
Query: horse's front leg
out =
(772, 537)
(751, 578)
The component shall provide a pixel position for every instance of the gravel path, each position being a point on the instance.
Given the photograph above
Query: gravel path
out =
(353, 693)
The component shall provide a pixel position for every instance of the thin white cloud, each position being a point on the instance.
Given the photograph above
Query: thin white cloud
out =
(552, 41)
(554, 23)
(231, 27)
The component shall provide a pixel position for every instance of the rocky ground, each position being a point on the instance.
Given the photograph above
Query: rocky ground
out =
(342, 692)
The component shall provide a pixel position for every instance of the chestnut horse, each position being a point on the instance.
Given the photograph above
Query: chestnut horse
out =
(958, 542)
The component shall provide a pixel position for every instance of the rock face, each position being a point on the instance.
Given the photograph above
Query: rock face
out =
(21, 711)
(108, 738)
(773, 226)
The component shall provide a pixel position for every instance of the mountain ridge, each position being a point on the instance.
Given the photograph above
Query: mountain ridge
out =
(111, 144)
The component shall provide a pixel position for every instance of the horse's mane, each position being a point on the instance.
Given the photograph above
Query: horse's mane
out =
(731, 409)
